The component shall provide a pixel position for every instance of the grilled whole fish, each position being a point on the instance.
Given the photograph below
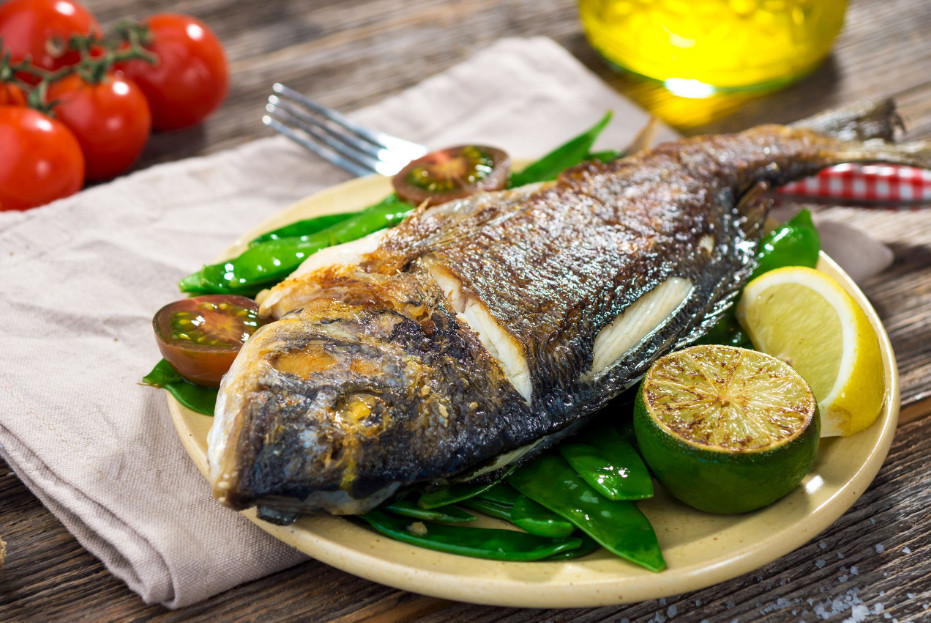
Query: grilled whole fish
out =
(478, 332)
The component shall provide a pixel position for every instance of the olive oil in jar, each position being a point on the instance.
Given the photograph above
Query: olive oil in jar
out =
(698, 47)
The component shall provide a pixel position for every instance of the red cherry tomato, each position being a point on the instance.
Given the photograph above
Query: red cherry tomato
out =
(201, 336)
(452, 173)
(11, 95)
(40, 160)
(41, 29)
(191, 78)
(111, 121)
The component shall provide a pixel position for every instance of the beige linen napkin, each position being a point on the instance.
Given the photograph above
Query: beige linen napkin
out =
(80, 280)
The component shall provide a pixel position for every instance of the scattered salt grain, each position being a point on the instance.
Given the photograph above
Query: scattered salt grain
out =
(910, 595)
(843, 578)
(673, 611)
(887, 616)
(819, 563)
(877, 608)
(839, 555)
(823, 545)
(854, 570)
(662, 601)
(879, 548)
(906, 550)
(729, 605)
(872, 521)
(925, 606)
(857, 614)
(881, 593)
(698, 602)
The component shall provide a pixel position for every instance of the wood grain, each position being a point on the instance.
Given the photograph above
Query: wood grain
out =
(350, 53)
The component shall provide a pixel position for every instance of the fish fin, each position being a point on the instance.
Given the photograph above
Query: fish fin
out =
(644, 138)
(860, 121)
(915, 154)
(752, 208)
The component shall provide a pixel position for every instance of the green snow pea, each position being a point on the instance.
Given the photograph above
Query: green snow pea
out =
(305, 227)
(617, 525)
(502, 493)
(492, 509)
(588, 546)
(794, 243)
(477, 542)
(444, 514)
(566, 155)
(456, 493)
(194, 397)
(608, 463)
(266, 263)
(536, 519)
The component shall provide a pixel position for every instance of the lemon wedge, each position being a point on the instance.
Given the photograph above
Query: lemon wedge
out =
(803, 317)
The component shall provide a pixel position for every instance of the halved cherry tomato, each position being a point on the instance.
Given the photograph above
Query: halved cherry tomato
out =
(201, 336)
(40, 160)
(11, 95)
(452, 173)
(41, 29)
(111, 121)
(191, 77)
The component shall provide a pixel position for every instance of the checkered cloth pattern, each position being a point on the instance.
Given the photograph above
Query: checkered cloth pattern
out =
(872, 183)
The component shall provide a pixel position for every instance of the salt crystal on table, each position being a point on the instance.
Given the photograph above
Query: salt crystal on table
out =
(910, 595)
(820, 563)
(673, 611)
(823, 545)
(839, 555)
(906, 550)
(854, 570)
(698, 602)
(729, 605)
(879, 548)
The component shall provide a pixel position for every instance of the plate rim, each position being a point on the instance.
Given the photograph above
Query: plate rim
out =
(505, 590)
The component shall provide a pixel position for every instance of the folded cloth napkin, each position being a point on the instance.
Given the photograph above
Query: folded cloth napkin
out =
(80, 280)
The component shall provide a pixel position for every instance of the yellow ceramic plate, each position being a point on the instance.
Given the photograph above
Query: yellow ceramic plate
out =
(700, 549)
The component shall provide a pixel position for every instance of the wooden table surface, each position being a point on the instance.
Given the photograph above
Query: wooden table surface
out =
(349, 53)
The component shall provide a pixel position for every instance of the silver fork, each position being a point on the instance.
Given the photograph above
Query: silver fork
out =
(335, 137)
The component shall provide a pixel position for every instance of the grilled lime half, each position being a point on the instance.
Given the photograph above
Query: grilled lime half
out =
(724, 429)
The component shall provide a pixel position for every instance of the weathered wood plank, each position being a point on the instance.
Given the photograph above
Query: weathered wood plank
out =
(350, 53)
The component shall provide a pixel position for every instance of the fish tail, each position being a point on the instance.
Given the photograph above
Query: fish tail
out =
(914, 154)
(866, 131)
(857, 122)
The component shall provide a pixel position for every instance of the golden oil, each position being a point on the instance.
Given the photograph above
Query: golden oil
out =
(699, 47)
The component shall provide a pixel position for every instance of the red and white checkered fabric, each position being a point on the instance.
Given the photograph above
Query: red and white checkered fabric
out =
(876, 183)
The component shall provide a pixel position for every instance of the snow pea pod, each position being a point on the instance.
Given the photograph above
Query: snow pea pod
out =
(608, 463)
(794, 243)
(566, 155)
(477, 542)
(588, 546)
(536, 519)
(305, 227)
(445, 514)
(456, 493)
(266, 263)
(194, 397)
(617, 525)
(502, 493)
(492, 509)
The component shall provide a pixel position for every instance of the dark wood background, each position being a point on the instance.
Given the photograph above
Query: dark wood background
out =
(349, 53)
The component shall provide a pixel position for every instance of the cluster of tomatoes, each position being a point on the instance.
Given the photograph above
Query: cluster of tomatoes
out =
(76, 105)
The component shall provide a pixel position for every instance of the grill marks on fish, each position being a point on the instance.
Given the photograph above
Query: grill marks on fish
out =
(411, 365)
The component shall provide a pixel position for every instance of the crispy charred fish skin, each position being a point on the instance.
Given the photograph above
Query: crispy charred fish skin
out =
(481, 331)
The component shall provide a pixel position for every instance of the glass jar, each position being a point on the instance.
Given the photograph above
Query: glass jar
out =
(700, 47)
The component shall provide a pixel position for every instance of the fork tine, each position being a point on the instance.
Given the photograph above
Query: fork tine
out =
(341, 134)
(384, 162)
(322, 151)
(380, 139)
(287, 116)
